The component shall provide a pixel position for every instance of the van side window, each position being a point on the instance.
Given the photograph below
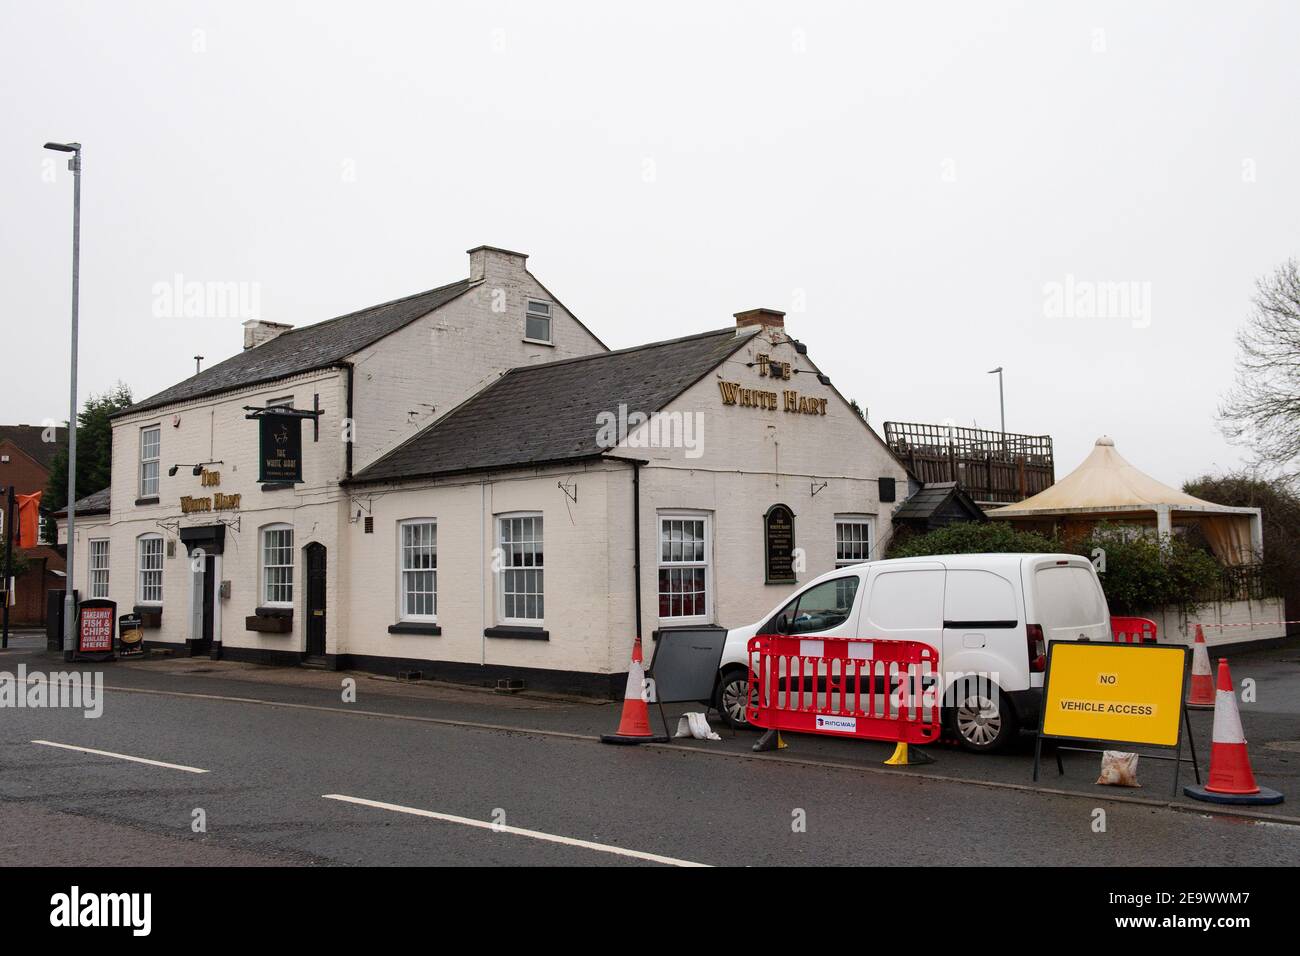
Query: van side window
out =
(907, 600)
(822, 607)
(979, 599)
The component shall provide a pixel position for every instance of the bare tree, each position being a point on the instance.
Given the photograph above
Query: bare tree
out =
(1263, 408)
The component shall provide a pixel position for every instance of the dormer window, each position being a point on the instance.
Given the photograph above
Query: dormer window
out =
(537, 323)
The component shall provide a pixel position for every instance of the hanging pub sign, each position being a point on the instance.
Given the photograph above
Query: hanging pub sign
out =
(130, 636)
(778, 545)
(95, 629)
(279, 448)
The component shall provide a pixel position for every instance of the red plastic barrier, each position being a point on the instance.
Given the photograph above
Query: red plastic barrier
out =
(1132, 630)
(875, 690)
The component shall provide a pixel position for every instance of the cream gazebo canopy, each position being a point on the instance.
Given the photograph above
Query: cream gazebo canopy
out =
(1107, 488)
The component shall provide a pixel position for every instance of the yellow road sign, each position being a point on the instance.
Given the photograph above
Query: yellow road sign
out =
(1126, 693)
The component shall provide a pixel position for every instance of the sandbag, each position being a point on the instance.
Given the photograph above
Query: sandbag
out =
(1119, 769)
(695, 725)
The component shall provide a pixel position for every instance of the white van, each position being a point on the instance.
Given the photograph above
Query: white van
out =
(985, 614)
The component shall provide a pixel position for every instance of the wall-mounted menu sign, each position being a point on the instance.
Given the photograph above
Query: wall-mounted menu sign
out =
(279, 448)
(778, 545)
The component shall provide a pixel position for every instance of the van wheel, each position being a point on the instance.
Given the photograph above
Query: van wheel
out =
(982, 718)
(729, 699)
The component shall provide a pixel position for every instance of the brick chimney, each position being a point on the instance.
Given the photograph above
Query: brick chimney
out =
(486, 261)
(763, 318)
(258, 332)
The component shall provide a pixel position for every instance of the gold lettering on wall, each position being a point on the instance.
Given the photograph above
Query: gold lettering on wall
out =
(733, 393)
(218, 502)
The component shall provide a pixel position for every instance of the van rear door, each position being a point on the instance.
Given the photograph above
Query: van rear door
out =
(1067, 599)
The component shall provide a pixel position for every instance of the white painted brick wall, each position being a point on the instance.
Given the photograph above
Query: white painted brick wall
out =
(216, 428)
(589, 598)
(445, 357)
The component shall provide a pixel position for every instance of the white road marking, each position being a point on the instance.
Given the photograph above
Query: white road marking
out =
(109, 753)
(517, 831)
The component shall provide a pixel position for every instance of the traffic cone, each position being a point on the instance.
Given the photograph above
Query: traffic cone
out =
(1201, 693)
(634, 727)
(1230, 779)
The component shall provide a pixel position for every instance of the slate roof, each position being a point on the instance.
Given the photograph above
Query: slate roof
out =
(305, 349)
(28, 439)
(924, 503)
(539, 414)
(96, 504)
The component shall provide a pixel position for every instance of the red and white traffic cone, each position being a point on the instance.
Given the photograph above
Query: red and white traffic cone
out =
(1230, 779)
(1201, 693)
(634, 727)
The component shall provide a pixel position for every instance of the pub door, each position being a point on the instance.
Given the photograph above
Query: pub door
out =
(314, 555)
(204, 593)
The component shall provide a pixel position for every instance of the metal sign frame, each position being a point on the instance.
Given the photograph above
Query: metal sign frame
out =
(668, 639)
(1184, 724)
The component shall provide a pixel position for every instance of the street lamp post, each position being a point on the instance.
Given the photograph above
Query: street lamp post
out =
(69, 597)
(1001, 402)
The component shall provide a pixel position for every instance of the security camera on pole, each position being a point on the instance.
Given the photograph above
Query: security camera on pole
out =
(69, 595)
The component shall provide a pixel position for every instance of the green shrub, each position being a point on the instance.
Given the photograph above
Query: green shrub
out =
(1143, 571)
(992, 537)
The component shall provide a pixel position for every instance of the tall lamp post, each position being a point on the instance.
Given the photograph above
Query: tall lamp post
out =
(69, 597)
(1001, 402)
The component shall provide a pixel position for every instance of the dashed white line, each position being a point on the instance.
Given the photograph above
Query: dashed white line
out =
(516, 831)
(109, 753)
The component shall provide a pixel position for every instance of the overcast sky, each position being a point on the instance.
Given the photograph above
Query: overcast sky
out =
(929, 190)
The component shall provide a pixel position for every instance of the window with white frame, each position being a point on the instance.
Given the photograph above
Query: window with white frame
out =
(853, 539)
(277, 565)
(418, 569)
(537, 323)
(684, 553)
(150, 453)
(99, 567)
(519, 536)
(149, 565)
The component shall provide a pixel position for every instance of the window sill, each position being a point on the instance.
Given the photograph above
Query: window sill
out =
(277, 486)
(528, 341)
(151, 500)
(415, 627)
(517, 631)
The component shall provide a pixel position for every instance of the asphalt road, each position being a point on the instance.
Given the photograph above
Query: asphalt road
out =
(295, 776)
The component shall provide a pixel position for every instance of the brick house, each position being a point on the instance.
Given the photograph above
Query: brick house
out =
(25, 460)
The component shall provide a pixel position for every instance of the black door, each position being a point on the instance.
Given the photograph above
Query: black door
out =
(204, 644)
(315, 561)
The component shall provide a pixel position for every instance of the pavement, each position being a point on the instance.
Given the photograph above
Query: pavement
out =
(280, 770)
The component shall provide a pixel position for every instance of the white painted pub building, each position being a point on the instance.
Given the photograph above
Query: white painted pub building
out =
(487, 491)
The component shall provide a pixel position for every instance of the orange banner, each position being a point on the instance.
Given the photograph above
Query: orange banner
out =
(29, 520)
